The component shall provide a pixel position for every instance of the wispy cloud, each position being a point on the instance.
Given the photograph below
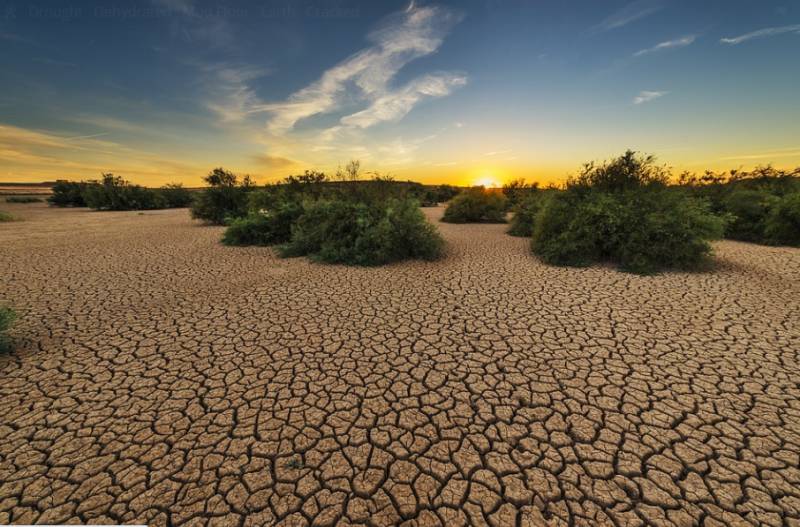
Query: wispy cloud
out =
(413, 33)
(497, 152)
(761, 33)
(630, 13)
(273, 162)
(647, 96)
(395, 104)
(770, 154)
(669, 44)
(232, 98)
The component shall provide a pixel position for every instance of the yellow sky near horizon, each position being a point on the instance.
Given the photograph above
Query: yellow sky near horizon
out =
(30, 156)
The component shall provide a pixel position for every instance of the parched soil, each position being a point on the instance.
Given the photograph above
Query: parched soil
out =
(163, 378)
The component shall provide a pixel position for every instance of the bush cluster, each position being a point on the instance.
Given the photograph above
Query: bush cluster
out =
(114, 193)
(477, 205)
(763, 205)
(525, 213)
(224, 200)
(359, 233)
(348, 220)
(5, 216)
(7, 317)
(623, 212)
(23, 199)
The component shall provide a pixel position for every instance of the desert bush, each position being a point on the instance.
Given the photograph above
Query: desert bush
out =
(114, 193)
(622, 212)
(782, 224)
(359, 233)
(67, 194)
(23, 199)
(264, 227)
(5, 216)
(749, 210)
(175, 196)
(525, 214)
(225, 199)
(517, 191)
(476, 205)
(7, 317)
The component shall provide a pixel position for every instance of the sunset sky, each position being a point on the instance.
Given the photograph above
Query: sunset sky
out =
(438, 92)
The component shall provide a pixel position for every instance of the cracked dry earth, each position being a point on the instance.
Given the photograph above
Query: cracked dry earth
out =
(163, 378)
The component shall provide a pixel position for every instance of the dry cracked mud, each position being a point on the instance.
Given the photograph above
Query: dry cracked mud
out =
(163, 378)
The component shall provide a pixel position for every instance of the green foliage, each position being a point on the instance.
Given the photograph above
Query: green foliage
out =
(518, 190)
(68, 194)
(23, 199)
(359, 233)
(749, 210)
(175, 196)
(264, 227)
(226, 198)
(622, 212)
(7, 317)
(782, 225)
(114, 193)
(477, 205)
(625, 172)
(5, 216)
(525, 214)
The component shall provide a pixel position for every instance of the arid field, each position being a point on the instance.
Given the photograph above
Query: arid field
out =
(160, 377)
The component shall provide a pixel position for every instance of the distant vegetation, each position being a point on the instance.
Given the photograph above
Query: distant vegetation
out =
(225, 198)
(114, 193)
(622, 212)
(346, 220)
(477, 205)
(763, 205)
(5, 216)
(23, 199)
(7, 317)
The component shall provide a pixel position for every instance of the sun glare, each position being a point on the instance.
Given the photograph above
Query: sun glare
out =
(487, 181)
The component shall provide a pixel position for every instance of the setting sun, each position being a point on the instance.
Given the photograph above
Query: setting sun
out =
(487, 181)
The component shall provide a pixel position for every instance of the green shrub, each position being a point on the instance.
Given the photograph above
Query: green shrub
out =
(175, 196)
(517, 191)
(5, 216)
(357, 233)
(114, 193)
(622, 212)
(525, 214)
(476, 205)
(749, 210)
(225, 199)
(68, 194)
(782, 225)
(266, 227)
(23, 199)
(7, 317)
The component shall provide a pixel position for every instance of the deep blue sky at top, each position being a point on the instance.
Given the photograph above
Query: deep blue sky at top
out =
(548, 83)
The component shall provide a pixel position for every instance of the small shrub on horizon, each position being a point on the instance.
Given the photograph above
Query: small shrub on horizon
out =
(114, 193)
(68, 194)
(23, 199)
(225, 198)
(7, 317)
(175, 196)
(477, 205)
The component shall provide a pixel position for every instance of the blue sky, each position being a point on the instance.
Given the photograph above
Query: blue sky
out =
(434, 91)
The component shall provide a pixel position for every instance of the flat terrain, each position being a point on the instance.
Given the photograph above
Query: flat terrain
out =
(163, 378)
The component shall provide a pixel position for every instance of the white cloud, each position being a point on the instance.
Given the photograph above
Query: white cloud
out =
(395, 104)
(647, 96)
(630, 13)
(761, 33)
(677, 43)
(406, 36)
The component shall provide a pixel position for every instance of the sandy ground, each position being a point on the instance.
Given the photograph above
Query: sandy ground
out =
(163, 378)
